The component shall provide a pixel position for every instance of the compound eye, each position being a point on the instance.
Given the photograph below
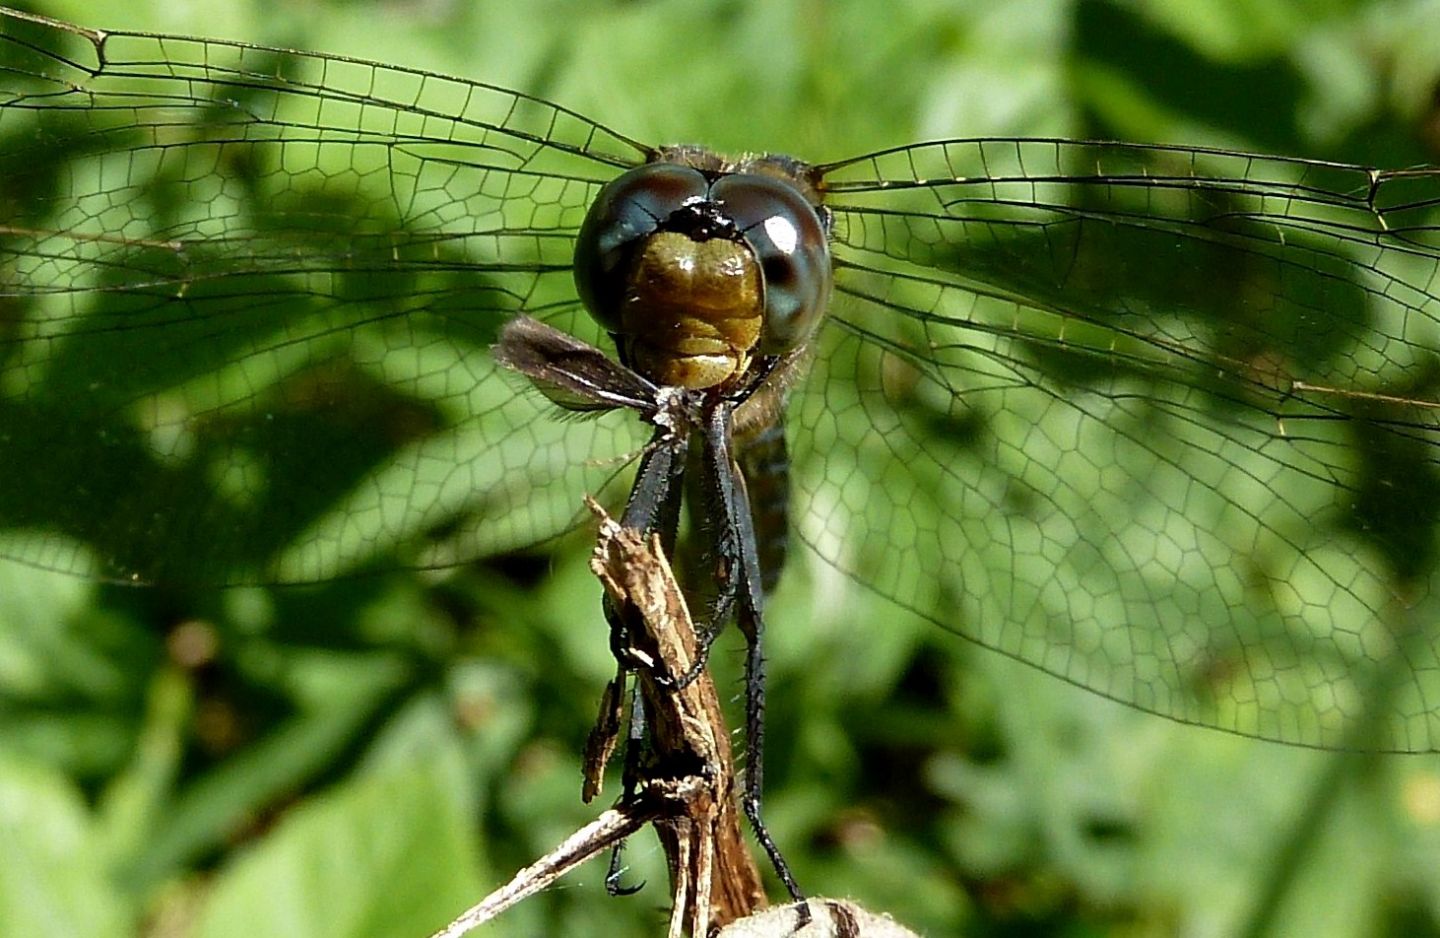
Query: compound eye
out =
(791, 244)
(629, 209)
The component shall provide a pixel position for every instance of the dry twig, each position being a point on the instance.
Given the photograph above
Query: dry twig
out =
(686, 780)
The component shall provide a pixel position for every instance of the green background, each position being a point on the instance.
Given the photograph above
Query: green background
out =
(367, 760)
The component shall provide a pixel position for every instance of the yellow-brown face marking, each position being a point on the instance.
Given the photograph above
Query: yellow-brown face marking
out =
(692, 313)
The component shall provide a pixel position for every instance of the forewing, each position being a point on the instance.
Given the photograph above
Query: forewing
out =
(248, 301)
(1162, 422)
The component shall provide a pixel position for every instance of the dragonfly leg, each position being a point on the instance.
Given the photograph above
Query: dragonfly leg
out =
(653, 507)
(704, 641)
(634, 753)
(737, 549)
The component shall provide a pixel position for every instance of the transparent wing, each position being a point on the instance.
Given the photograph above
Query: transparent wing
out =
(1159, 421)
(248, 297)
(1162, 422)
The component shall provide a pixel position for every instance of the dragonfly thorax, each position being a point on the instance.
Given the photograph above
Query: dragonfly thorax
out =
(697, 273)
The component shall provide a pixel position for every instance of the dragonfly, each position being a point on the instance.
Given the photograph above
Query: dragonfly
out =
(1160, 421)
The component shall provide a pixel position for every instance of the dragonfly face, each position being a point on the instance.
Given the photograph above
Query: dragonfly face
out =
(1160, 421)
(694, 274)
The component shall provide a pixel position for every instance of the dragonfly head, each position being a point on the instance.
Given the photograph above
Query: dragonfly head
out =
(697, 272)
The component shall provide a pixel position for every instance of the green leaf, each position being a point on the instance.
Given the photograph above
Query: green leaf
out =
(52, 875)
(389, 854)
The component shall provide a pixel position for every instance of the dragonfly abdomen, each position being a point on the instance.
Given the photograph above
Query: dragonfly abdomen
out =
(765, 465)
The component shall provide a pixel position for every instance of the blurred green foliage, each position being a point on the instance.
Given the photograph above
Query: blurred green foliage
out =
(366, 758)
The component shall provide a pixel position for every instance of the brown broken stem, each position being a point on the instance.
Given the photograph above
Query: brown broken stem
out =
(686, 782)
(713, 877)
(653, 801)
